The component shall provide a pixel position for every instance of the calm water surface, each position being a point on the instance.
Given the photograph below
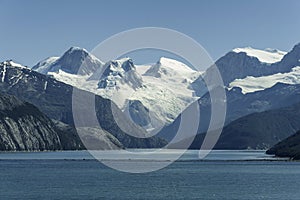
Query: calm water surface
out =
(76, 175)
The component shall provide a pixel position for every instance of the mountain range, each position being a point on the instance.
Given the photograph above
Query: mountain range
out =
(262, 96)
(163, 88)
(54, 99)
(249, 119)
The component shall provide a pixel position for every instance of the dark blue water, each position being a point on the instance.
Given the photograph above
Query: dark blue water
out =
(88, 179)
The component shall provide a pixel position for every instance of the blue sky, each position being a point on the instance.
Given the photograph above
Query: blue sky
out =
(32, 30)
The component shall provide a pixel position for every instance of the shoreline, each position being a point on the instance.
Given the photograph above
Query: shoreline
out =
(130, 156)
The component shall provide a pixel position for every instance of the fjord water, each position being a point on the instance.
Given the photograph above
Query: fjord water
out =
(76, 175)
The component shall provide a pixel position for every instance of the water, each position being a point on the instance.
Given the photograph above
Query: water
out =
(75, 175)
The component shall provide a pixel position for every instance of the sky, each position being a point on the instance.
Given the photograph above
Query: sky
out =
(32, 30)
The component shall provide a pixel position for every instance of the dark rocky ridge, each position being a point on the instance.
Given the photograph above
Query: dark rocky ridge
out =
(289, 147)
(255, 131)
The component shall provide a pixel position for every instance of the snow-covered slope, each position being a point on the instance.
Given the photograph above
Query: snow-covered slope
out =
(166, 88)
(168, 68)
(44, 66)
(267, 56)
(164, 96)
(253, 84)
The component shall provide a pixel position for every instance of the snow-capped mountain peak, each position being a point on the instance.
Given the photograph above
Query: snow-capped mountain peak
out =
(167, 67)
(177, 65)
(72, 49)
(73, 60)
(266, 56)
(125, 63)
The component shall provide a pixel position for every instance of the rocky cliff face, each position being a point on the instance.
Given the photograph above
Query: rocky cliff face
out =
(24, 127)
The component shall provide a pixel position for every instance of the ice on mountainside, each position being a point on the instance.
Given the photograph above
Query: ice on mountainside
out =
(253, 84)
(267, 56)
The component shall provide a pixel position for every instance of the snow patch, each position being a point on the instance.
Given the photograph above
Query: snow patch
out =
(3, 73)
(45, 85)
(13, 64)
(267, 56)
(18, 79)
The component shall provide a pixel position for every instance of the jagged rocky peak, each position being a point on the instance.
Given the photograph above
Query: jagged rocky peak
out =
(127, 64)
(116, 72)
(118, 66)
(74, 61)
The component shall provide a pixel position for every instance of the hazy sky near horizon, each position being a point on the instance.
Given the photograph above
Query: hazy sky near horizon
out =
(32, 30)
